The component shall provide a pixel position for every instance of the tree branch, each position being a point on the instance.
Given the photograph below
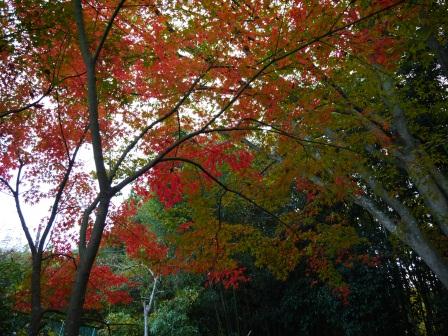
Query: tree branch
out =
(65, 255)
(106, 31)
(92, 100)
(82, 36)
(135, 141)
(242, 88)
(404, 213)
(368, 204)
(15, 194)
(28, 106)
(61, 188)
(279, 131)
(84, 224)
(228, 189)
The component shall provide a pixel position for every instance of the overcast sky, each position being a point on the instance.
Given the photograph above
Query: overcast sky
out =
(11, 234)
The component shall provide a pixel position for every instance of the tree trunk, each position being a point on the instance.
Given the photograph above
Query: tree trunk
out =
(86, 261)
(145, 318)
(413, 157)
(432, 196)
(412, 236)
(147, 307)
(74, 312)
(36, 305)
(429, 254)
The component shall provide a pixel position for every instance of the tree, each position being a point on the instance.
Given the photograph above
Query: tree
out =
(145, 251)
(153, 89)
(105, 287)
(171, 317)
(388, 287)
(389, 146)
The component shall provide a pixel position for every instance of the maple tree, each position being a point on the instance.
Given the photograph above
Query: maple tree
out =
(144, 249)
(163, 95)
(105, 287)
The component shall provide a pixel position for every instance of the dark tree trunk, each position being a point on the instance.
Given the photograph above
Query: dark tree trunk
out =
(87, 259)
(77, 298)
(36, 305)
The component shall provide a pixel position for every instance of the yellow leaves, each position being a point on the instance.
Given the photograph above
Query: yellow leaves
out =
(279, 255)
(336, 238)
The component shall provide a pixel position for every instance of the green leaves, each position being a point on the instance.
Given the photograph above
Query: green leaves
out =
(171, 316)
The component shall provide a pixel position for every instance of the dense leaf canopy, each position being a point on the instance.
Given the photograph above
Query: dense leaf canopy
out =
(248, 127)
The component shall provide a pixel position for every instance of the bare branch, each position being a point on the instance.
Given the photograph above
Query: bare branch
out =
(106, 31)
(82, 35)
(27, 106)
(6, 183)
(228, 189)
(60, 191)
(135, 141)
(85, 223)
(65, 255)
(16, 195)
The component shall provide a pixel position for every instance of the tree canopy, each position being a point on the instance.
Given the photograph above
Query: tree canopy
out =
(266, 129)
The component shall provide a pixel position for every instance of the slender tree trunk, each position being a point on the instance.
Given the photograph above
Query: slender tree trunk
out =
(429, 254)
(433, 197)
(147, 307)
(36, 305)
(145, 318)
(411, 235)
(77, 298)
(87, 259)
(430, 185)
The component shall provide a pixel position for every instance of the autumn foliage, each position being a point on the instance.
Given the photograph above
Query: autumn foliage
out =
(249, 116)
(105, 287)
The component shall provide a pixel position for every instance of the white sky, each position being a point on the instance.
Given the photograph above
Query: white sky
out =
(11, 234)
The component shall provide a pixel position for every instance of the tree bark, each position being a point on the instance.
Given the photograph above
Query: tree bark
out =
(430, 183)
(87, 259)
(88, 252)
(36, 307)
(428, 189)
(147, 307)
(411, 235)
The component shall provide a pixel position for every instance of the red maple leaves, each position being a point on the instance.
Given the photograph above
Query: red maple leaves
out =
(228, 277)
(105, 286)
